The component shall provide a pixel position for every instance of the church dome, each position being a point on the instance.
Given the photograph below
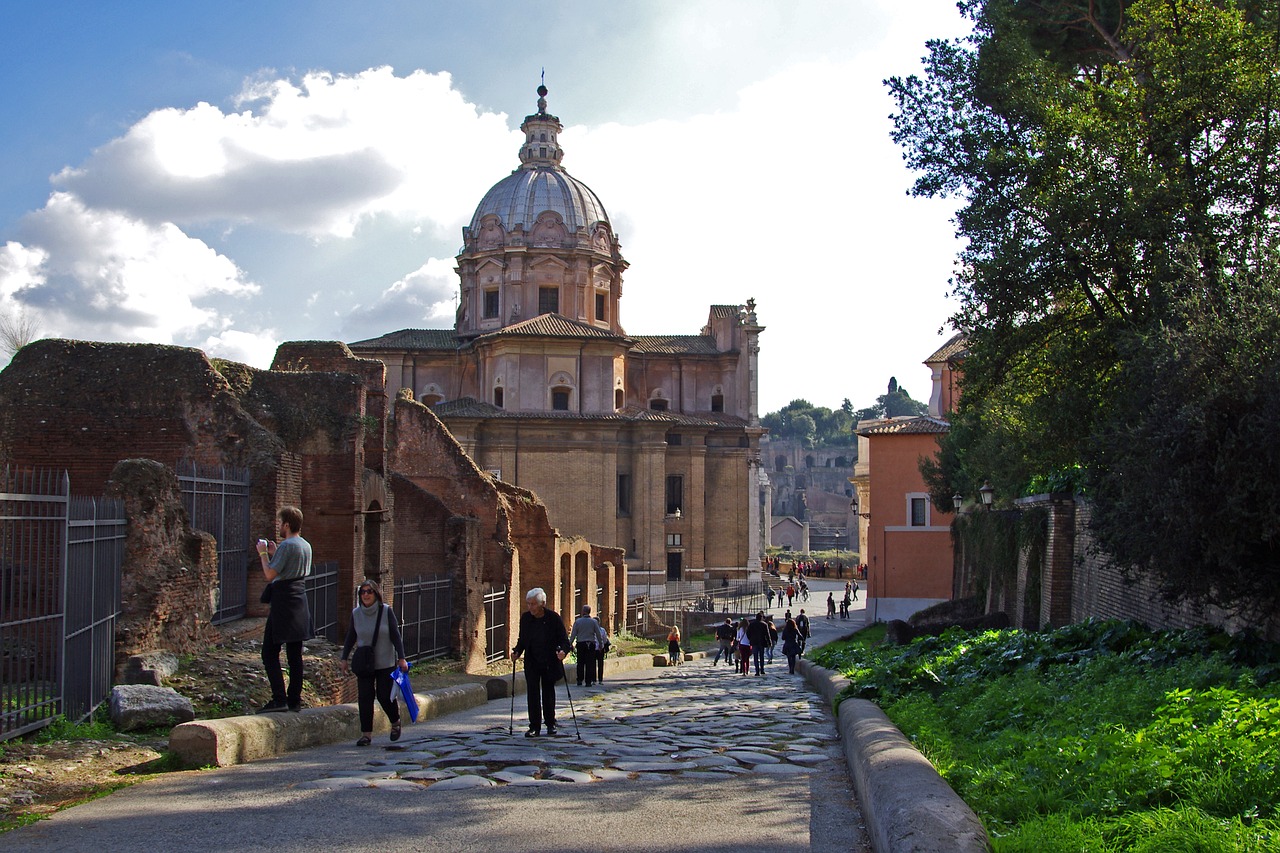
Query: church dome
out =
(540, 186)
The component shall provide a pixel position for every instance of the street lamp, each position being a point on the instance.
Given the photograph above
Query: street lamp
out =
(987, 494)
(957, 500)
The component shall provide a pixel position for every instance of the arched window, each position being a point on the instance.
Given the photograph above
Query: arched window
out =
(717, 402)
(779, 463)
(560, 397)
(498, 396)
(808, 462)
(431, 399)
(658, 404)
(617, 399)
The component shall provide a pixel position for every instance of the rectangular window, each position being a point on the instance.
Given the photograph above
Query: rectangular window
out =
(674, 439)
(560, 400)
(624, 496)
(497, 397)
(675, 494)
(548, 300)
(490, 304)
(658, 404)
(919, 512)
(673, 540)
(600, 304)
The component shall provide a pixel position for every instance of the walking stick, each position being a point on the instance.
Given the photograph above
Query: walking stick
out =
(571, 711)
(511, 721)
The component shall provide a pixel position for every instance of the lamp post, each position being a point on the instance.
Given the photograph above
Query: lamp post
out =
(957, 500)
(987, 494)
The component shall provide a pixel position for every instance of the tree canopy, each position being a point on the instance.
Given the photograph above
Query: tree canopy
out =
(817, 425)
(1118, 170)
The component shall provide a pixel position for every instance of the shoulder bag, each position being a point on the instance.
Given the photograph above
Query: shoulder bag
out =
(362, 660)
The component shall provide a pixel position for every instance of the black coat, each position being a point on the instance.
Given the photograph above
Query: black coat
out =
(539, 640)
(290, 618)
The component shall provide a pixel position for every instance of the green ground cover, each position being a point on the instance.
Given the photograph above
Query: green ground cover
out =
(1101, 736)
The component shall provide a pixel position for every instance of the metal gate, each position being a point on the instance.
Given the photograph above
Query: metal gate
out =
(60, 561)
(497, 634)
(424, 607)
(217, 502)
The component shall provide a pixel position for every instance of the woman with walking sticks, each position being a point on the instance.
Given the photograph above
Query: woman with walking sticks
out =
(544, 642)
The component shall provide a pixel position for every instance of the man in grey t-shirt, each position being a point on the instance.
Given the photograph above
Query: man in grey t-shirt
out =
(289, 623)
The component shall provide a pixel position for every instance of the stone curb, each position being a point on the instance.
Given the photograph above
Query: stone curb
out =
(907, 806)
(236, 740)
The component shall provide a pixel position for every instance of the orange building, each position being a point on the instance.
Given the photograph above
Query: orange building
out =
(904, 540)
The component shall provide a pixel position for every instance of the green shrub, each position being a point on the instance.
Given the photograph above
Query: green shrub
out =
(1125, 735)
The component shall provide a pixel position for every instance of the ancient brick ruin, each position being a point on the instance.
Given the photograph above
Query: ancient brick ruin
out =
(384, 487)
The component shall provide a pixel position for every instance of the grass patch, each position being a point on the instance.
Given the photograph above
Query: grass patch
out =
(1101, 736)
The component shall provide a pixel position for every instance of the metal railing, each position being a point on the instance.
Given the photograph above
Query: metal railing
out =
(321, 587)
(424, 608)
(497, 633)
(60, 561)
(217, 502)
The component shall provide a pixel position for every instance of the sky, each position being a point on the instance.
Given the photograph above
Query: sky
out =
(230, 176)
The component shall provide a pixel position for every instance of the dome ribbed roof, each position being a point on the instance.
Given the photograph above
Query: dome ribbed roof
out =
(541, 183)
(519, 198)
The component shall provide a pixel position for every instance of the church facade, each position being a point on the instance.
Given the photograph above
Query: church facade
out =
(647, 443)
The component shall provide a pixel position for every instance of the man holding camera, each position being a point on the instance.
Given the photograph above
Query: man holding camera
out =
(289, 622)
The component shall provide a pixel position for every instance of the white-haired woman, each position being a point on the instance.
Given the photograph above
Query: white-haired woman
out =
(543, 642)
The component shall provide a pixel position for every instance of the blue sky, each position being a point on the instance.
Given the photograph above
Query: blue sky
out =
(228, 176)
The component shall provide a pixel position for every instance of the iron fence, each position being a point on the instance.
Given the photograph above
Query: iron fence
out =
(497, 633)
(652, 615)
(60, 559)
(217, 502)
(424, 608)
(321, 587)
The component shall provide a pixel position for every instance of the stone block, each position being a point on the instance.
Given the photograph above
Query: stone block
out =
(144, 706)
(149, 668)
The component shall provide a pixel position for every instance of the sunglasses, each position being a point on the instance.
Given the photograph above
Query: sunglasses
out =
(366, 591)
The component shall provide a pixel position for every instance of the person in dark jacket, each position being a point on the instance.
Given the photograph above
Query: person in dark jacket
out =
(289, 622)
(791, 644)
(388, 654)
(543, 642)
(758, 636)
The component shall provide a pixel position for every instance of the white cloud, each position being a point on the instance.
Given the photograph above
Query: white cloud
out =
(252, 348)
(313, 157)
(423, 298)
(101, 275)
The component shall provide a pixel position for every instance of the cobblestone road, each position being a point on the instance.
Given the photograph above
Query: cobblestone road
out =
(695, 720)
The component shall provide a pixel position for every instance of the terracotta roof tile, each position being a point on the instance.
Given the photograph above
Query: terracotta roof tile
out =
(675, 344)
(553, 326)
(436, 339)
(922, 425)
(957, 347)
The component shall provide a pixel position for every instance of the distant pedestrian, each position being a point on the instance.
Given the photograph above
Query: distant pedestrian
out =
(758, 636)
(831, 605)
(583, 638)
(802, 623)
(768, 595)
(791, 644)
(725, 634)
(673, 645)
(544, 643)
(844, 606)
(791, 593)
(854, 589)
(773, 637)
(744, 649)
(602, 649)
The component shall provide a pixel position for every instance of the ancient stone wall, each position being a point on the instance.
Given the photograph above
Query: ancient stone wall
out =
(169, 582)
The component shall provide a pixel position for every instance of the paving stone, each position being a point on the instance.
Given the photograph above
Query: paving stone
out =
(397, 785)
(458, 783)
(783, 769)
(609, 774)
(807, 758)
(753, 757)
(647, 766)
(337, 783)
(567, 775)
(428, 775)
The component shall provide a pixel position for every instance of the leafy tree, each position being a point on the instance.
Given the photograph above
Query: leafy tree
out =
(813, 425)
(895, 403)
(1117, 164)
(1199, 500)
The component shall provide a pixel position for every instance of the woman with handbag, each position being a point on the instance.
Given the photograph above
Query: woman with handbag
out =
(375, 635)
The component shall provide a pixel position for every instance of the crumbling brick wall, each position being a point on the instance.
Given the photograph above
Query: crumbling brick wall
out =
(169, 581)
